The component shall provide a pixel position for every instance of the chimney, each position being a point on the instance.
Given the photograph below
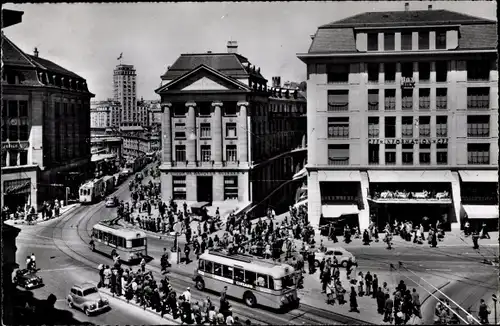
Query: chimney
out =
(429, 7)
(407, 6)
(276, 81)
(35, 52)
(232, 46)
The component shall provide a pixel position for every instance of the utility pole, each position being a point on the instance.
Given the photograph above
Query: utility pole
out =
(495, 306)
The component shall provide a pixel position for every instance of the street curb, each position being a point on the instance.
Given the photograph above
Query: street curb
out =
(166, 316)
(37, 222)
(433, 292)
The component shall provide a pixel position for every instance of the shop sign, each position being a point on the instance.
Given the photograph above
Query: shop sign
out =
(338, 198)
(413, 141)
(15, 145)
(17, 186)
(407, 83)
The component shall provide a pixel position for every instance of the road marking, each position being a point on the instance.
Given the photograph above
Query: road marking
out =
(60, 269)
(438, 269)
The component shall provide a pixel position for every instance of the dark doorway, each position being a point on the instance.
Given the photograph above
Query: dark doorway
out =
(204, 189)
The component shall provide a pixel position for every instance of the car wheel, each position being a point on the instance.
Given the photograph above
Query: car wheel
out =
(200, 284)
(86, 311)
(343, 264)
(316, 263)
(249, 299)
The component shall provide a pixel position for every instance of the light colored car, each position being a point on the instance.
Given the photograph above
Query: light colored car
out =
(339, 252)
(87, 298)
(111, 201)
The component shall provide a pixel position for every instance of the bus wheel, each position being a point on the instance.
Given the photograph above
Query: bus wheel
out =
(200, 284)
(249, 299)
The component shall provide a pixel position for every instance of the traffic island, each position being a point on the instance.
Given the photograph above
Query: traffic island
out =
(132, 302)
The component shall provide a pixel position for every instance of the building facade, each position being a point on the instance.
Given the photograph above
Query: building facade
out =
(106, 145)
(217, 140)
(105, 114)
(125, 90)
(45, 128)
(402, 105)
(142, 113)
(136, 141)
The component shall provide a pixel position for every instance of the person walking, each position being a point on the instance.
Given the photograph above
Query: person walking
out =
(361, 282)
(330, 293)
(415, 298)
(187, 250)
(375, 285)
(483, 313)
(143, 264)
(353, 300)
(368, 283)
(475, 239)
(388, 306)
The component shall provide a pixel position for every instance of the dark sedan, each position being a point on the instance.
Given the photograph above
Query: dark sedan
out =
(27, 279)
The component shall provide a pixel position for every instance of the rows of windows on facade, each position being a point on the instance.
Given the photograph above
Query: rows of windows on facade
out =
(179, 187)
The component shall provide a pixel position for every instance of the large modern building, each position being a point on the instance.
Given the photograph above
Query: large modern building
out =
(105, 114)
(45, 128)
(217, 140)
(402, 119)
(125, 90)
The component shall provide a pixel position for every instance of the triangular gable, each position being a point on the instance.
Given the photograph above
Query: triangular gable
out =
(203, 78)
(12, 55)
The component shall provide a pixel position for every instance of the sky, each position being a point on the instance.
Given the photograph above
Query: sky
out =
(88, 38)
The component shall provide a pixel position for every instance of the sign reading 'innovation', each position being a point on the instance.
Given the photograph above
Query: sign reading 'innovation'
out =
(397, 141)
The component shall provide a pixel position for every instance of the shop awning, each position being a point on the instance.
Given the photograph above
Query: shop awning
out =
(299, 175)
(481, 211)
(334, 211)
(339, 176)
(411, 176)
(479, 175)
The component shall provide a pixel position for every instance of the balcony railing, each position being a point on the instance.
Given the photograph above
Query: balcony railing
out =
(338, 161)
(480, 102)
(372, 106)
(390, 105)
(441, 103)
(338, 107)
(407, 104)
(338, 78)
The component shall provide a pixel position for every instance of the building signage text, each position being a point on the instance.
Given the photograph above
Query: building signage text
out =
(15, 145)
(337, 198)
(407, 83)
(398, 141)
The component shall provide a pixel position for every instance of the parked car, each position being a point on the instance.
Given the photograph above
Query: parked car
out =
(27, 279)
(339, 252)
(111, 201)
(87, 298)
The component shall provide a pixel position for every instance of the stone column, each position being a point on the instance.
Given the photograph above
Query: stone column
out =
(218, 145)
(166, 130)
(191, 134)
(243, 131)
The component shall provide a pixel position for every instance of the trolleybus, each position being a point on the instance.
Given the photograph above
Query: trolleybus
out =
(256, 281)
(130, 245)
(92, 191)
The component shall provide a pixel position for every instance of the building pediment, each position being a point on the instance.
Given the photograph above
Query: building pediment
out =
(203, 78)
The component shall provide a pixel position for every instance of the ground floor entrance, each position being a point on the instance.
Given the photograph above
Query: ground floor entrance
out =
(204, 188)
(417, 213)
(339, 223)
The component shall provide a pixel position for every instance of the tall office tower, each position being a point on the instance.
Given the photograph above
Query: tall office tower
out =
(125, 90)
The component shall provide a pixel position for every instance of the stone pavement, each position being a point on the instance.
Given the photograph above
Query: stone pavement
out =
(63, 211)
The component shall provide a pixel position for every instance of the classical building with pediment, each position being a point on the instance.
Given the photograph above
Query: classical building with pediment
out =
(222, 142)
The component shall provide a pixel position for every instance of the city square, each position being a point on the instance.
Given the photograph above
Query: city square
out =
(346, 173)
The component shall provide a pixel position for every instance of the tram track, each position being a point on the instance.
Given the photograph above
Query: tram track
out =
(64, 242)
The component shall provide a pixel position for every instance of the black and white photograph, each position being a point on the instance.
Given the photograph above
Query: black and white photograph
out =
(250, 163)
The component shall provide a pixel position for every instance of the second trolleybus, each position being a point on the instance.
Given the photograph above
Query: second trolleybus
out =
(130, 245)
(256, 281)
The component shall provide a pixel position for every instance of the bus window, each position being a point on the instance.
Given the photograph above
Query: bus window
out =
(271, 283)
(250, 277)
(208, 267)
(112, 240)
(239, 275)
(217, 269)
(227, 272)
(137, 243)
(120, 242)
(262, 280)
(277, 284)
(201, 265)
(99, 234)
(94, 233)
(105, 237)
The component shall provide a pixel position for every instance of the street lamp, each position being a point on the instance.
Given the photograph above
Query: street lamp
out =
(494, 296)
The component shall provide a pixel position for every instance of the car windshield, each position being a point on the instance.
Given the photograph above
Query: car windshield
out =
(89, 291)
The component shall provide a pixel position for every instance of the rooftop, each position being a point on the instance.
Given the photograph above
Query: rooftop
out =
(411, 17)
(231, 64)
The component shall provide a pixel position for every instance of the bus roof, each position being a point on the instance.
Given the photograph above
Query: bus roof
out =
(120, 231)
(251, 263)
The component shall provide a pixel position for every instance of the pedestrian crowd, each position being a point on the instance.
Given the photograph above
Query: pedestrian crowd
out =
(50, 209)
(141, 287)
